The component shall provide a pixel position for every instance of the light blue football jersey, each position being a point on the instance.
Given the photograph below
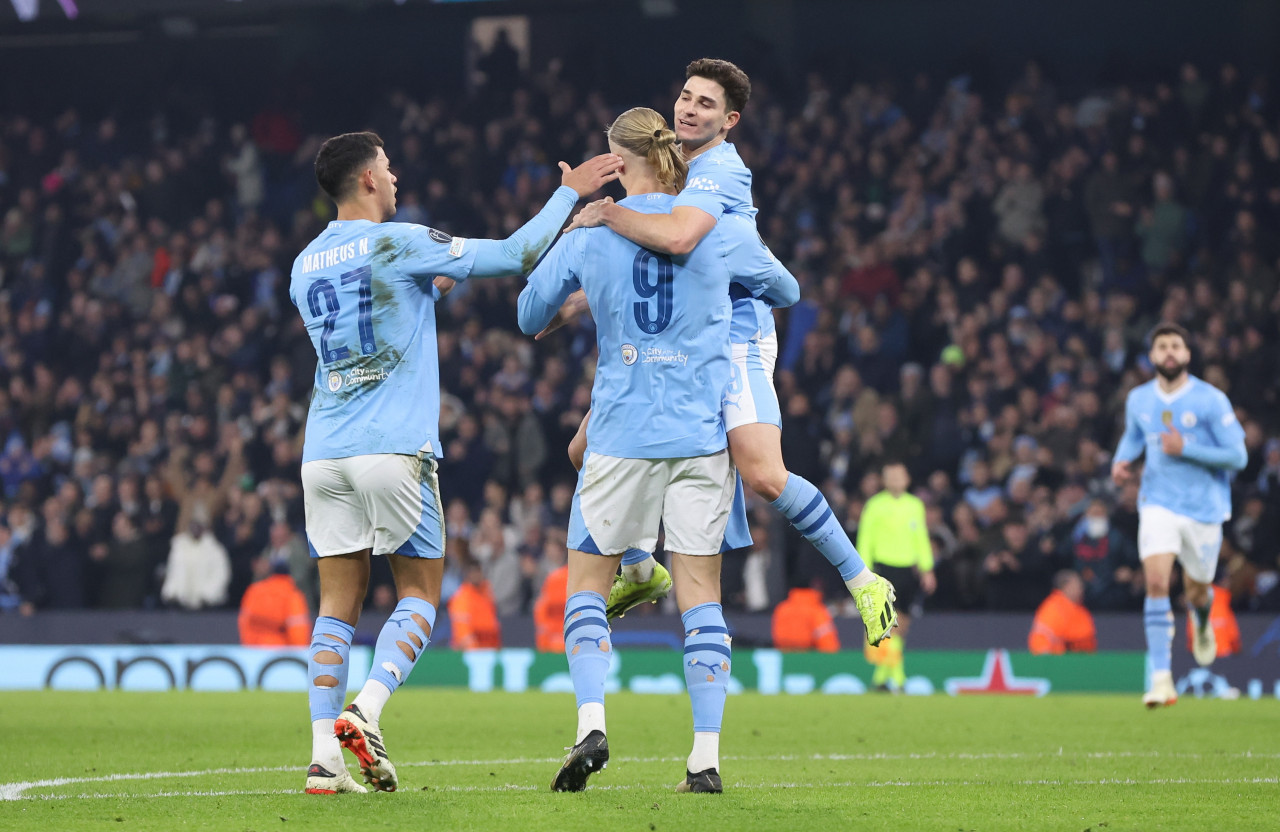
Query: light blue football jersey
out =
(365, 292)
(720, 184)
(1197, 484)
(662, 329)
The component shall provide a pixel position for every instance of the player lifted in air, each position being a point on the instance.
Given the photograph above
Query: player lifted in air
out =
(365, 289)
(719, 185)
(656, 445)
(1193, 443)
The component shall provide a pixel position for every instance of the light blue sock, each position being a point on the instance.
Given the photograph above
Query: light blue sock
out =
(634, 556)
(805, 508)
(326, 700)
(586, 643)
(391, 664)
(707, 662)
(1157, 615)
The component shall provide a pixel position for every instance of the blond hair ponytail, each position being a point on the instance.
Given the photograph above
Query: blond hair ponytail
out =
(645, 133)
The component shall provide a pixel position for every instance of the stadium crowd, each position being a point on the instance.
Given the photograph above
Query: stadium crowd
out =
(978, 271)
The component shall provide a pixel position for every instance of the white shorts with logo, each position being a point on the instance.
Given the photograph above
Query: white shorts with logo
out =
(1196, 544)
(389, 503)
(620, 502)
(750, 398)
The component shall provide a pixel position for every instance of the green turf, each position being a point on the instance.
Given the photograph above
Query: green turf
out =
(483, 761)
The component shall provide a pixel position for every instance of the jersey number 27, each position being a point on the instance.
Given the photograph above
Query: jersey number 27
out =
(323, 291)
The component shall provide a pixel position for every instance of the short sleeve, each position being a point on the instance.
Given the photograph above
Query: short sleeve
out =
(713, 190)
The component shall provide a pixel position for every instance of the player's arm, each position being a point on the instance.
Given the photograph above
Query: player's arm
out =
(578, 445)
(752, 265)
(460, 258)
(1131, 444)
(676, 233)
(550, 284)
(1229, 452)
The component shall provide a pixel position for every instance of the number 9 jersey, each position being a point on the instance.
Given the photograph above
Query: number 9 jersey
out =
(662, 329)
(365, 293)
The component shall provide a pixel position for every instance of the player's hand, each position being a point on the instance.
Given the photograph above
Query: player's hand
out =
(1120, 472)
(928, 582)
(444, 285)
(591, 175)
(1171, 442)
(570, 311)
(590, 216)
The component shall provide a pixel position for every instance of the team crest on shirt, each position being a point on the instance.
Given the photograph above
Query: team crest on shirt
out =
(629, 354)
(1188, 419)
(335, 381)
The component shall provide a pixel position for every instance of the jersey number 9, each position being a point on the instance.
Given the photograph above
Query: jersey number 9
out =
(332, 308)
(663, 286)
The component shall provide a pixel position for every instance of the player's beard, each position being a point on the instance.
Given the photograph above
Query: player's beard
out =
(1171, 372)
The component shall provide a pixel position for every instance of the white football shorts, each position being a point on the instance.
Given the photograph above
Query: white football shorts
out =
(389, 503)
(620, 502)
(1196, 544)
(750, 398)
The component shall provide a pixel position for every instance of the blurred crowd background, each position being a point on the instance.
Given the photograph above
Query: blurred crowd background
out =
(980, 263)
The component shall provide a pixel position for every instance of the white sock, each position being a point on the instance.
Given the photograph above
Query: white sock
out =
(638, 573)
(371, 699)
(590, 718)
(706, 751)
(864, 578)
(324, 745)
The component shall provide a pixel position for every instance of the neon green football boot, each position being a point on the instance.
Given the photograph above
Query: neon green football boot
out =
(875, 605)
(624, 595)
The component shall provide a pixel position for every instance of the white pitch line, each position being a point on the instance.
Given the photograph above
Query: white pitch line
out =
(1163, 781)
(16, 791)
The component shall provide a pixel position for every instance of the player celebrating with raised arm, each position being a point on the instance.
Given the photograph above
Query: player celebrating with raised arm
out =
(719, 184)
(1193, 443)
(656, 445)
(365, 289)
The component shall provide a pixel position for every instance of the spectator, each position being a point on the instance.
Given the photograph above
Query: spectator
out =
(473, 615)
(198, 570)
(548, 609)
(802, 622)
(273, 612)
(1062, 623)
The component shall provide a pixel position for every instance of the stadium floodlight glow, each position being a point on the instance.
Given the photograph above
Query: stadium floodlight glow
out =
(28, 9)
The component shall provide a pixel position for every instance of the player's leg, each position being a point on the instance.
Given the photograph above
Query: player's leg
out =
(1201, 545)
(696, 510)
(613, 510)
(757, 451)
(643, 579)
(589, 651)
(1159, 539)
(339, 536)
(344, 579)
(708, 662)
(754, 422)
(401, 496)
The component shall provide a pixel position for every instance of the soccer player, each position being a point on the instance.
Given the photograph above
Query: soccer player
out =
(719, 184)
(365, 289)
(1193, 443)
(656, 445)
(893, 537)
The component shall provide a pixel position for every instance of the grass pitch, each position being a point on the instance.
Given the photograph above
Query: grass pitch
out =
(162, 761)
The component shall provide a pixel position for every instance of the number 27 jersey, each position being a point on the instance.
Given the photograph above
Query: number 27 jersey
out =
(365, 293)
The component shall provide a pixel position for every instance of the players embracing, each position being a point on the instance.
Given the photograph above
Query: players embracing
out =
(656, 446)
(1193, 444)
(710, 104)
